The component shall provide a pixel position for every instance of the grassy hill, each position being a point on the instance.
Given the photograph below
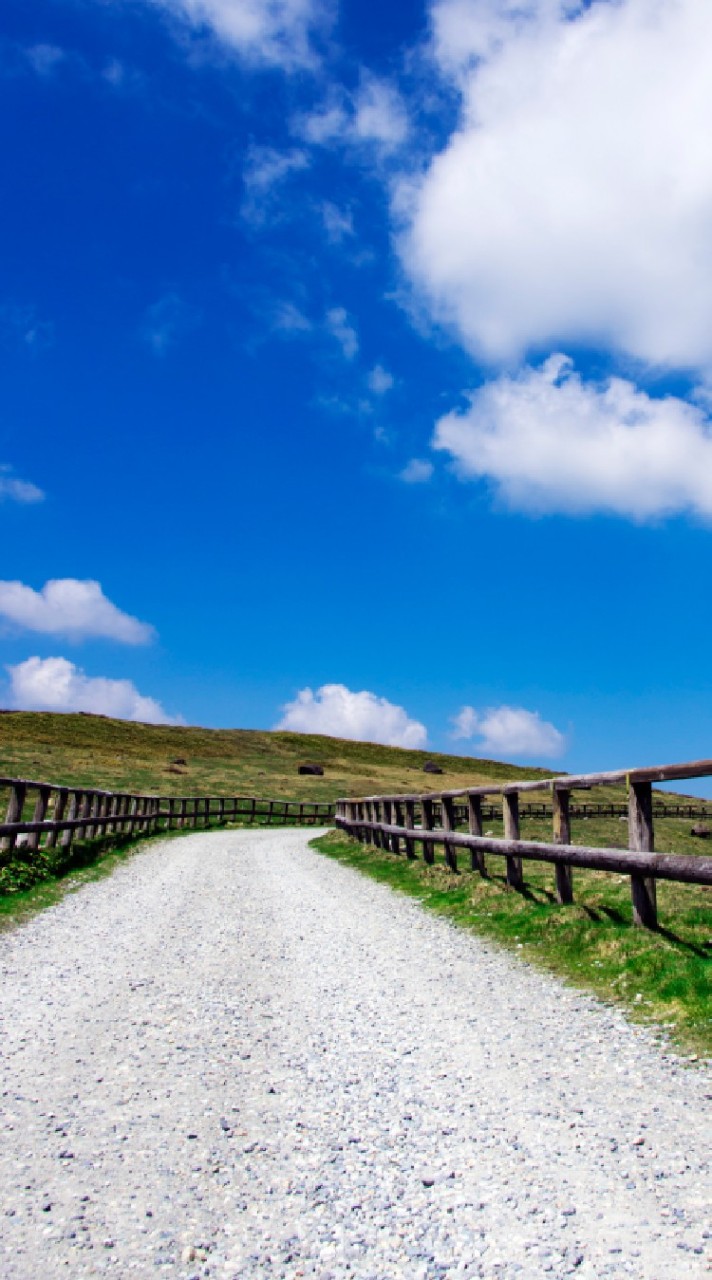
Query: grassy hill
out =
(122, 756)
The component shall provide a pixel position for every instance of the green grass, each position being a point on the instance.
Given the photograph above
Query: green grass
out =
(661, 978)
(121, 756)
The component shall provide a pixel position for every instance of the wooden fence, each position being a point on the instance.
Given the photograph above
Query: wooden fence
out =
(42, 815)
(390, 822)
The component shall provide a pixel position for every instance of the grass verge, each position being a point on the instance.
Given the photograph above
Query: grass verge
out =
(661, 978)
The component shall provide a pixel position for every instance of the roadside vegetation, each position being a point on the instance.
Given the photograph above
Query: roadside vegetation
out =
(661, 978)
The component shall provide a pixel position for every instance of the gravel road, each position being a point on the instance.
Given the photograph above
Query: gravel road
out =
(236, 1058)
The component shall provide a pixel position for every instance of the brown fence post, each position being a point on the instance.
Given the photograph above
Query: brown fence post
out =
(641, 838)
(399, 821)
(72, 806)
(387, 817)
(15, 805)
(562, 835)
(426, 805)
(448, 810)
(60, 804)
(410, 823)
(510, 808)
(474, 824)
(39, 815)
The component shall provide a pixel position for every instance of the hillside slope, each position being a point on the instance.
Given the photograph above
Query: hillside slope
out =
(123, 756)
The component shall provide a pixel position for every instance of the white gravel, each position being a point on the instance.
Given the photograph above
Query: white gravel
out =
(236, 1058)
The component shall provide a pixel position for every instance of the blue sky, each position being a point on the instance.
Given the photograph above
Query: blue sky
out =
(364, 359)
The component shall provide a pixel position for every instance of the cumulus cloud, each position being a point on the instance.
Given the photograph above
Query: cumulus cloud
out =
(573, 202)
(341, 328)
(505, 731)
(55, 684)
(273, 32)
(550, 442)
(12, 489)
(70, 607)
(417, 471)
(337, 711)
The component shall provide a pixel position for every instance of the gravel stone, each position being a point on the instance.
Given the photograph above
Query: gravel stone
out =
(234, 1058)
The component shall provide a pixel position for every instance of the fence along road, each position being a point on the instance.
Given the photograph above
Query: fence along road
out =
(41, 815)
(386, 821)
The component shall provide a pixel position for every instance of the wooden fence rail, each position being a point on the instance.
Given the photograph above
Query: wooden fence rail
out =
(392, 822)
(43, 815)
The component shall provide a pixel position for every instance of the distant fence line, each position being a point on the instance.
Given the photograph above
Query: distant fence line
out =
(389, 821)
(43, 815)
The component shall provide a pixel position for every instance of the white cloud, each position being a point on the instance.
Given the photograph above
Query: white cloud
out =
(373, 117)
(550, 442)
(338, 223)
(70, 607)
(55, 684)
(379, 114)
(274, 32)
(337, 711)
(44, 58)
(16, 490)
(288, 319)
(417, 471)
(166, 321)
(509, 731)
(266, 170)
(341, 328)
(380, 380)
(574, 200)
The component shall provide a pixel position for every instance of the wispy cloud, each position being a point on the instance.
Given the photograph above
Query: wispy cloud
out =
(45, 58)
(21, 326)
(335, 710)
(167, 321)
(70, 607)
(12, 489)
(282, 33)
(340, 327)
(380, 380)
(56, 684)
(265, 172)
(338, 223)
(417, 471)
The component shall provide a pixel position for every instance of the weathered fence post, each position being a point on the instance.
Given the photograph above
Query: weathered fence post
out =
(474, 823)
(16, 804)
(641, 838)
(448, 811)
(410, 823)
(510, 809)
(60, 804)
(562, 835)
(39, 815)
(72, 806)
(426, 805)
(399, 819)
